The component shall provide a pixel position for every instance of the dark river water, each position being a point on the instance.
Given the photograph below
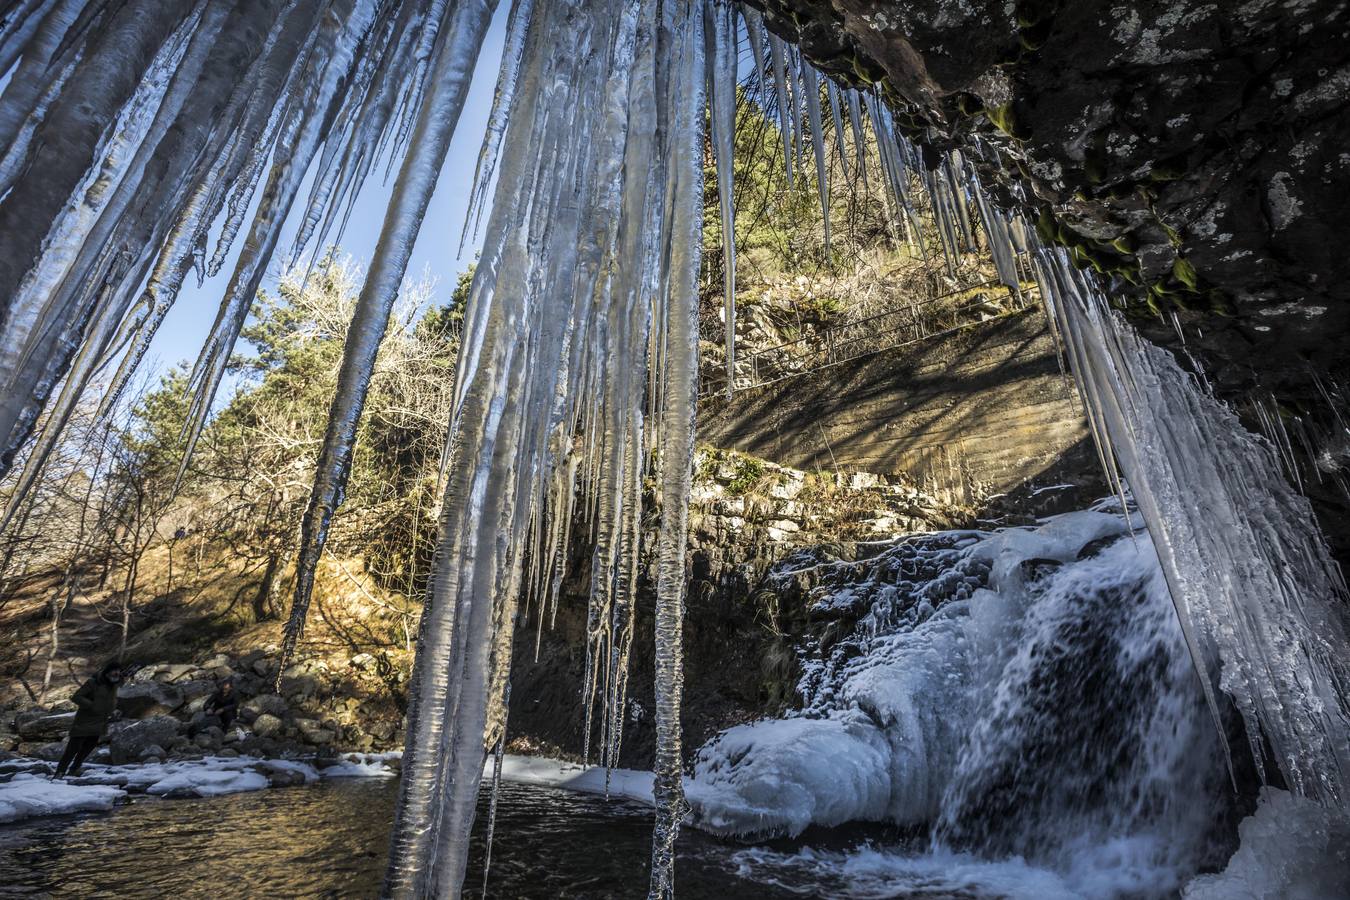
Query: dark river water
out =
(329, 840)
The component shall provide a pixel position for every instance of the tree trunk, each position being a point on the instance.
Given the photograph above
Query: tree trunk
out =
(262, 600)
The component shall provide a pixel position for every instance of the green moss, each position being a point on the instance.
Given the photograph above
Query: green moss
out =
(1003, 119)
(749, 471)
(1185, 273)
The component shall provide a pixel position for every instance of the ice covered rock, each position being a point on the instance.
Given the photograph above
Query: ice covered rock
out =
(27, 795)
(777, 776)
(1291, 848)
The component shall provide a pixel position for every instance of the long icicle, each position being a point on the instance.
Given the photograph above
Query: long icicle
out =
(680, 398)
(721, 40)
(449, 86)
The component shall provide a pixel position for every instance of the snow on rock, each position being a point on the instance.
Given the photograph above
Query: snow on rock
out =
(31, 793)
(364, 765)
(777, 776)
(554, 773)
(208, 781)
(1291, 848)
(28, 795)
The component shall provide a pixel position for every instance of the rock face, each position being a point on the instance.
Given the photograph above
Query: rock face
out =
(1195, 150)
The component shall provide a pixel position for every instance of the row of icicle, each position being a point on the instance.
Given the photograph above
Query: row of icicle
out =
(156, 124)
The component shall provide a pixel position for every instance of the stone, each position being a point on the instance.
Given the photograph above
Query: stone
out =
(128, 740)
(38, 724)
(154, 751)
(220, 659)
(175, 672)
(148, 698)
(248, 659)
(196, 687)
(267, 725)
(264, 667)
(266, 703)
(297, 688)
(313, 732)
(49, 751)
(279, 775)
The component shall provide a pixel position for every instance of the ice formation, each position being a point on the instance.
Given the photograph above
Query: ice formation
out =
(158, 125)
(31, 792)
(1026, 693)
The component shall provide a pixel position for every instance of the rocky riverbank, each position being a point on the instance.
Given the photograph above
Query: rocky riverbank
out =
(317, 708)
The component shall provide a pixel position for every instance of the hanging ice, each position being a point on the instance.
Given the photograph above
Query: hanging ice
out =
(722, 60)
(461, 38)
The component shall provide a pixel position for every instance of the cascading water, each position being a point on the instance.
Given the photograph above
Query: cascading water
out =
(1025, 693)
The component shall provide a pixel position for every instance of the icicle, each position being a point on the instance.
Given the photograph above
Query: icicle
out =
(832, 93)
(330, 61)
(859, 136)
(496, 792)
(680, 395)
(1252, 579)
(412, 194)
(721, 39)
(812, 90)
(786, 119)
(502, 97)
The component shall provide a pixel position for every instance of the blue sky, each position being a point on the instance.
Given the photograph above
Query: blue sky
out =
(437, 249)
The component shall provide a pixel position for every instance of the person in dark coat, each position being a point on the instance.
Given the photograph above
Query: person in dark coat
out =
(96, 701)
(224, 704)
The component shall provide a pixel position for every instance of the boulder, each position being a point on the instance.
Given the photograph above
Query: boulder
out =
(314, 733)
(196, 687)
(148, 698)
(279, 774)
(129, 740)
(266, 725)
(40, 724)
(271, 704)
(153, 752)
(298, 687)
(48, 751)
(175, 672)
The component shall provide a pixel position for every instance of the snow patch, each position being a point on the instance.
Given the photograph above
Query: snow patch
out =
(28, 795)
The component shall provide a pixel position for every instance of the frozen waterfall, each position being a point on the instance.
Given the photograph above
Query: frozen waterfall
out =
(1025, 692)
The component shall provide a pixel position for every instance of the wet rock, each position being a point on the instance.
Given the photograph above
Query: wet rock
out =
(279, 774)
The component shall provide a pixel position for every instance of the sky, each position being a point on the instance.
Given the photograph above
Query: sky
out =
(436, 252)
